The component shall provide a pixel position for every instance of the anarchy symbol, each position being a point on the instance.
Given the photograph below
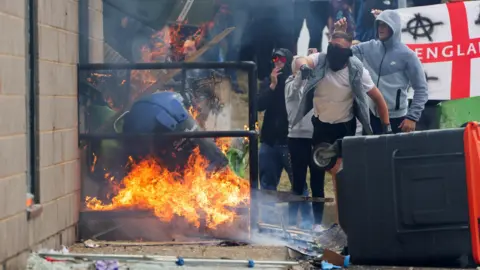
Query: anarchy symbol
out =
(421, 23)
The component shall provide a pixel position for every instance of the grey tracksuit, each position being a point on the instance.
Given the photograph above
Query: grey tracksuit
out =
(394, 68)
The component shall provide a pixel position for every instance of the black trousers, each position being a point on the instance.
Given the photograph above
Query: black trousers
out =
(377, 126)
(301, 159)
(316, 15)
(329, 133)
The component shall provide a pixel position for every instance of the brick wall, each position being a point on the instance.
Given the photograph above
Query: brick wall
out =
(59, 177)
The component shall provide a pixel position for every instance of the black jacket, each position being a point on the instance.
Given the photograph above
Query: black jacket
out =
(275, 122)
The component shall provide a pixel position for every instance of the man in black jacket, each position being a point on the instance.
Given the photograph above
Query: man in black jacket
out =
(274, 155)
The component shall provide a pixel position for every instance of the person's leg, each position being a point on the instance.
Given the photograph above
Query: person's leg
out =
(316, 21)
(348, 129)
(270, 170)
(268, 166)
(329, 133)
(317, 185)
(283, 160)
(299, 156)
(321, 133)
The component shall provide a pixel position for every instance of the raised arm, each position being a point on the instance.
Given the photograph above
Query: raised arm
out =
(293, 88)
(264, 95)
(360, 47)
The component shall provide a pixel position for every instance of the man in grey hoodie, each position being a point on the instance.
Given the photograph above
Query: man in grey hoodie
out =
(394, 68)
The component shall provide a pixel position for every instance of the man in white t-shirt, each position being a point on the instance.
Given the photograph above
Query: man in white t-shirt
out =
(333, 98)
(336, 89)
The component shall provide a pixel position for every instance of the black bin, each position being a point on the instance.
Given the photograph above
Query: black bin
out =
(403, 199)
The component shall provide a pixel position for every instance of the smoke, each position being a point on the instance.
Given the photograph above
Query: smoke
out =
(221, 121)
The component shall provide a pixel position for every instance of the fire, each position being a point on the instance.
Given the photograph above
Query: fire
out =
(257, 128)
(194, 113)
(194, 195)
(92, 168)
(165, 45)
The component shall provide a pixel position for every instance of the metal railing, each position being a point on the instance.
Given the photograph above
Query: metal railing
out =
(86, 136)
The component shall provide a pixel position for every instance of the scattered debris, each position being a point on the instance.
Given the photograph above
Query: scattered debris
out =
(335, 258)
(106, 265)
(302, 253)
(232, 244)
(321, 249)
(328, 266)
(91, 244)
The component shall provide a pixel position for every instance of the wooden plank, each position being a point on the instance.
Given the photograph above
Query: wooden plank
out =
(173, 72)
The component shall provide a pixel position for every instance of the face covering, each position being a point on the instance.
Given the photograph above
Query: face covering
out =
(337, 57)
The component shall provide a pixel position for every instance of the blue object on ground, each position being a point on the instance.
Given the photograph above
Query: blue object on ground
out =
(106, 265)
(328, 266)
(251, 264)
(346, 262)
(180, 261)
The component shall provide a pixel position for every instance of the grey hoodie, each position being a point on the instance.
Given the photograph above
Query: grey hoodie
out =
(394, 68)
(294, 87)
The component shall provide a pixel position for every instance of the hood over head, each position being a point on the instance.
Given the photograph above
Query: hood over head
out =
(287, 70)
(393, 20)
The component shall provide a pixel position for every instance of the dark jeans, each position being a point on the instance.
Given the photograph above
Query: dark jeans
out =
(329, 133)
(301, 156)
(377, 127)
(316, 15)
(272, 161)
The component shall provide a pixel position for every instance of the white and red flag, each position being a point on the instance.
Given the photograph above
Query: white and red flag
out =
(446, 38)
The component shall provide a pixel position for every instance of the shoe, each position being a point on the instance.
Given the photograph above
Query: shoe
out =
(333, 238)
(318, 228)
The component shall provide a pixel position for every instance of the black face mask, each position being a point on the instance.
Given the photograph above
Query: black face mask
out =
(337, 57)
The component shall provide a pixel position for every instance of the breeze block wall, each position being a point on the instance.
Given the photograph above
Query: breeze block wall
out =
(58, 155)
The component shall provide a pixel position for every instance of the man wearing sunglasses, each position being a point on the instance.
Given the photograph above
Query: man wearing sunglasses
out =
(274, 155)
(337, 87)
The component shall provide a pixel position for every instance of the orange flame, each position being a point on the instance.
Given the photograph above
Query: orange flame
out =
(195, 195)
(92, 168)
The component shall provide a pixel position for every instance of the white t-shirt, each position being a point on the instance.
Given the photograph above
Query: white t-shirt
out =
(333, 97)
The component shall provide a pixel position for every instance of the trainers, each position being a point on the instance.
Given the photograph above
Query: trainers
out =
(333, 238)
(318, 228)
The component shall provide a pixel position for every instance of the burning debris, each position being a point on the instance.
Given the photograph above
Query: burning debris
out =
(189, 194)
(182, 177)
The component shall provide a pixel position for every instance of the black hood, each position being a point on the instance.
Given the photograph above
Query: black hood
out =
(287, 70)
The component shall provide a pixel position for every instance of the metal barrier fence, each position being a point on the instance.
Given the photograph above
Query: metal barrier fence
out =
(88, 137)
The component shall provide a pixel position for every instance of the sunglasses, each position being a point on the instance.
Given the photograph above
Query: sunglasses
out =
(278, 58)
